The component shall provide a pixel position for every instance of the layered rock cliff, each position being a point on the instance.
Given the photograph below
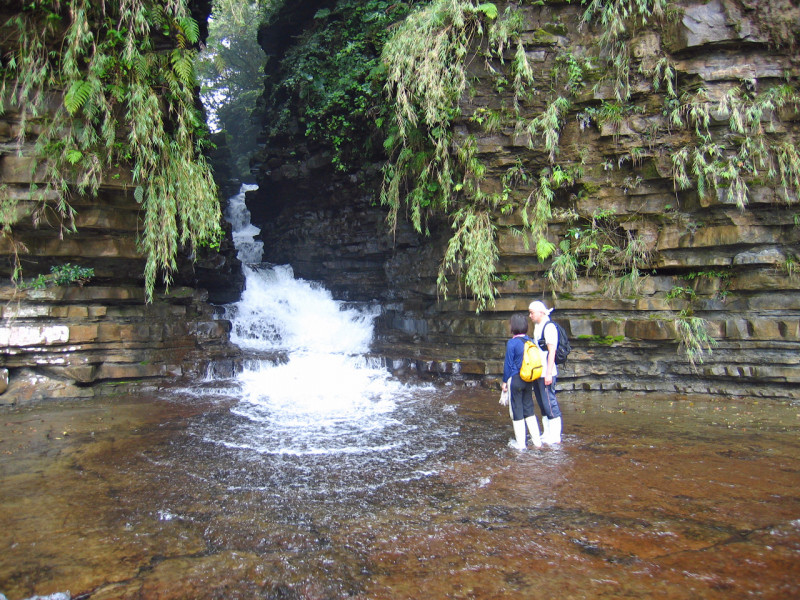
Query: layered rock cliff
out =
(96, 334)
(709, 258)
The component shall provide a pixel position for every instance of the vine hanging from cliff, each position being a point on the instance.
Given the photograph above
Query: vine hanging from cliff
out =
(721, 164)
(709, 160)
(109, 87)
(426, 61)
(431, 171)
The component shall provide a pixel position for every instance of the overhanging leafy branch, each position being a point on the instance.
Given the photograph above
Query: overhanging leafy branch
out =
(118, 93)
(426, 61)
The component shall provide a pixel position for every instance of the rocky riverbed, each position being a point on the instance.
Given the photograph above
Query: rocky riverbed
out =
(153, 497)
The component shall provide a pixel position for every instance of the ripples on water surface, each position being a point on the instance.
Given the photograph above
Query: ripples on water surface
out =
(340, 455)
(323, 422)
(183, 497)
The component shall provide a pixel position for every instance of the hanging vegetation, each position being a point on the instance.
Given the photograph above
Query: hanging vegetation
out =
(329, 82)
(427, 60)
(102, 86)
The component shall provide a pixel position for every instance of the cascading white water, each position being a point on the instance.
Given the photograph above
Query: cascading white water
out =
(327, 397)
(249, 250)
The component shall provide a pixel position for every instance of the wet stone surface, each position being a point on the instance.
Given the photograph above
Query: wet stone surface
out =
(158, 497)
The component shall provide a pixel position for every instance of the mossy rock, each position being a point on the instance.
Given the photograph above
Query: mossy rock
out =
(648, 170)
(590, 188)
(543, 37)
(555, 29)
(603, 340)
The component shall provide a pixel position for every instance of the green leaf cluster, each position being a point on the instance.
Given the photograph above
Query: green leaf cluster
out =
(61, 275)
(428, 172)
(127, 71)
(330, 82)
(601, 246)
(753, 152)
(694, 339)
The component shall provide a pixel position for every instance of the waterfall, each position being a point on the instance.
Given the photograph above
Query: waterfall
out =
(249, 250)
(313, 391)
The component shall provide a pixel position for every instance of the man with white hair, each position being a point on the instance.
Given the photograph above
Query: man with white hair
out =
(545, 386)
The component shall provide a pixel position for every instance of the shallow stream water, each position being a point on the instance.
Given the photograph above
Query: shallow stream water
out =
(168, 496)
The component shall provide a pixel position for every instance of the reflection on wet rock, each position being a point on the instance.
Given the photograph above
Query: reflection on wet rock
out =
(136, 498)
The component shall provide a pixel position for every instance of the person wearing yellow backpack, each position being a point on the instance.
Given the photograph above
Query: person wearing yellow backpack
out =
(520, 392)
(545, 386)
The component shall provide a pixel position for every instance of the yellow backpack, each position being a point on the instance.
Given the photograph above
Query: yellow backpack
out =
(531, 362)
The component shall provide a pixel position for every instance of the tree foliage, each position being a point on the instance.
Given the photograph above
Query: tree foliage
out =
(231, 70)
(330, 82)
(105, 86)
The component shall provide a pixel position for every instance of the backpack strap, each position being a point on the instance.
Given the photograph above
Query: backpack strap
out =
(542, 344)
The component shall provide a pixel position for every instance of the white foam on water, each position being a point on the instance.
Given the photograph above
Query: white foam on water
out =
(249, 250)
(321, 395)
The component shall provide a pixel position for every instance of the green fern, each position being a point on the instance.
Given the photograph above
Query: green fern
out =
(73, 156)
(119, 91)
(190, 29)
(183, 65)
(77, 95)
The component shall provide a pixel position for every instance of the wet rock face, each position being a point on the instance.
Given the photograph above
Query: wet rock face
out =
(736, 264)
(78, 342)
(75, 341)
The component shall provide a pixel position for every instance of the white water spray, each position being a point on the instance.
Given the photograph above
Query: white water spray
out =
(326, 397)
(249, 250)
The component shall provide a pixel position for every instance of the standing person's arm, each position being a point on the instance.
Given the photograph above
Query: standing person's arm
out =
(551, 363)
(508, 364)
(551, 356)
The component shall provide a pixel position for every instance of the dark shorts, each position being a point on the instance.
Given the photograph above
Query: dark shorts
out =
(521, 398)
(546, 398)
